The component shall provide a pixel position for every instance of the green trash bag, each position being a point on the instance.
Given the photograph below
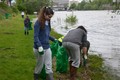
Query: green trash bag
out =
(61, 57)
(61, 60)
(30, 26)
(54, 48)
(43, 74)
(6, 15)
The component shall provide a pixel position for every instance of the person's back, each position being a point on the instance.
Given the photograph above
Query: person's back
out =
(22, 14)
(76, 36)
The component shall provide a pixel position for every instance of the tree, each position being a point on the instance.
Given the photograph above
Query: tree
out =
(42, 3)
(87, 6)
(73, 6)
(30, 6)
(81, 5)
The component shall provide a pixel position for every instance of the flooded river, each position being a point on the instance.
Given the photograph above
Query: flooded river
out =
(103, 33)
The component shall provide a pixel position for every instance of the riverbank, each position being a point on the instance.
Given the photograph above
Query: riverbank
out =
(103, 33)
(17, 59)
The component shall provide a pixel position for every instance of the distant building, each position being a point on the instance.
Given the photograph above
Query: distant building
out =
(60, 4)
(116, 0)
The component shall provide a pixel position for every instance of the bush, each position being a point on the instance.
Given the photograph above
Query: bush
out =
(72, 20)
(14, 9)
(31, 7)
(87, 6)
(1, 17)
(5, 7)
(21, 7)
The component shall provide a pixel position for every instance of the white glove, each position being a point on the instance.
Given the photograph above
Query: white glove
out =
(85, 56)
(40, 49)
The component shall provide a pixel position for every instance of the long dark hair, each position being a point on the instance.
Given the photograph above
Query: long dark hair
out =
(41, 17)
(81, 27)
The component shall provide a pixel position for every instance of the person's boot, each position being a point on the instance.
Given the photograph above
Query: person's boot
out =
(73, 73)
(70, 64)
(36, 76)
(49, 76)
(25, 32)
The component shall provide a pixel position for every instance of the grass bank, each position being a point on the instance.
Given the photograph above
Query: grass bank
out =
(17, 60)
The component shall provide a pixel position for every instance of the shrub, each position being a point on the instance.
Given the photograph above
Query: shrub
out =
(5, 7)
(14, 9)
(72, 20)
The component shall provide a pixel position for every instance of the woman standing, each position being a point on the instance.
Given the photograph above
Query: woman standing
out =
(26, 25)
(41, 43)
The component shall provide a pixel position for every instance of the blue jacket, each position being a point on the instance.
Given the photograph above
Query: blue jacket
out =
(42, 36)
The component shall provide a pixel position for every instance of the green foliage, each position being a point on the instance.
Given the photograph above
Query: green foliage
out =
(42, 3)
(73, 6)
(21, 7)
(98, 65)
(3, 1)
(5, 7)
(14, 9)
(93, 5)
(72, 20)
(1, 17)
(30, 6)
(87, 6)
(7, 11)
(80, 6)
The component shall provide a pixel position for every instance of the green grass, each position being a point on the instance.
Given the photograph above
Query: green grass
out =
(17, 60)
(16, 56)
